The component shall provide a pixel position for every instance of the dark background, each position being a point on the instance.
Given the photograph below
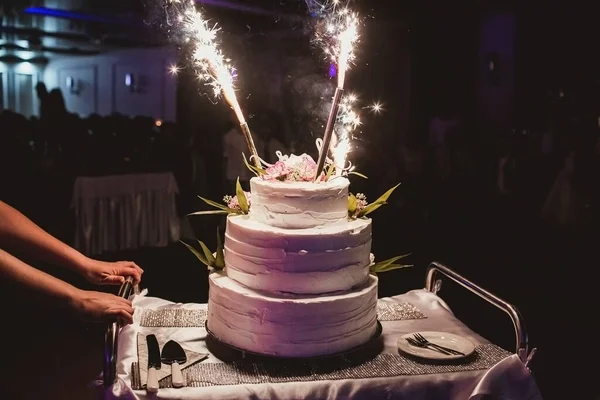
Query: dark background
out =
(549, 272)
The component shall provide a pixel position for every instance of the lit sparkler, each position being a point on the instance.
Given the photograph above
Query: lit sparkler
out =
(347, 121)
(213, 67)
(337, 36)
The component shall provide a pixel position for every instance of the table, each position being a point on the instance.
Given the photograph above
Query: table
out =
(508, 378)
(121, 212)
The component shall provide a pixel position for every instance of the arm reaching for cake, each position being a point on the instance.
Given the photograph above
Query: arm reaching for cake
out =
(89, 304)
(19, 232)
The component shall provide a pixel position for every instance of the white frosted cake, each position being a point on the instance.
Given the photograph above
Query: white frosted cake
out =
(296, 281)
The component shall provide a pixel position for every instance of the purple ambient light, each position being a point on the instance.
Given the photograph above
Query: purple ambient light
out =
(332, 71)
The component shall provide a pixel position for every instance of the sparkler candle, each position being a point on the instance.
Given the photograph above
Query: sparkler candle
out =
(338, 37)
(335, 106)
(213, 67)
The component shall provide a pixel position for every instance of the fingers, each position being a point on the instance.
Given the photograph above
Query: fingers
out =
(129, 268)
(123, 312)
(113, 280)
(124, 301)
(124, 317)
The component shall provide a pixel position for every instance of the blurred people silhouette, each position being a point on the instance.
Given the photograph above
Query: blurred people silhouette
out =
(564, 204)
(52, 104)
(56, 103)
(43, 96)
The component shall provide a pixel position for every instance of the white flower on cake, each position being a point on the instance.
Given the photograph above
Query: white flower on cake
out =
(361, 203)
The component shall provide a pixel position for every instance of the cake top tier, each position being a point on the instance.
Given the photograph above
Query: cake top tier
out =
(295, 205)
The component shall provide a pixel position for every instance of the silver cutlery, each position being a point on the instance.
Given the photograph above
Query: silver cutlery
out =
(415, 343)
(136, 381)
(423, 341)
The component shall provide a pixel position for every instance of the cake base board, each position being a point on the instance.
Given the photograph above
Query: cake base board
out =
(357, 355)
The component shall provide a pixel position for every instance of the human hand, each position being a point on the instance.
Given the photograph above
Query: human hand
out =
(102, 307)
(111, 273)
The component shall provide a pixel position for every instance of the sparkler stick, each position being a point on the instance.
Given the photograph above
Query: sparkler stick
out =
(250, 143)
(337, 97)
(230, 97)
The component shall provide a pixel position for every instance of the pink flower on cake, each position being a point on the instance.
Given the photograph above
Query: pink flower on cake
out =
(293, 168)
(307, 168)
(233, 203)
(278, 171)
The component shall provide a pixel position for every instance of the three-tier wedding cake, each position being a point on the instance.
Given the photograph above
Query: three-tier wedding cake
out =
(296, 280)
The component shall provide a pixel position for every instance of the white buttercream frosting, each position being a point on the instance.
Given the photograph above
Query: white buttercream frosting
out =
(296, 282)
(291, 325)
(299, 204)
(324, 259)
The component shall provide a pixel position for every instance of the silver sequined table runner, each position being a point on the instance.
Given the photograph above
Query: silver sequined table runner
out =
(186, 318)
(383, 366)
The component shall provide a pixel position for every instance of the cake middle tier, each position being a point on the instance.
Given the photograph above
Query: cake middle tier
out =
(318, 260)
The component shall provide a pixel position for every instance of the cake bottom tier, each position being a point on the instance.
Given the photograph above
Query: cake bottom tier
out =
(291, 325)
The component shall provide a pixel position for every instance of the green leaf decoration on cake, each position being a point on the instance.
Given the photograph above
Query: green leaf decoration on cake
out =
(241, 197)
(358, 174)
(388, 265)
(254, 169)
(220, 257)
(214, 261)
(329, 172)
(208, 254)
(369, 208)
(352, 205)
(221, 208)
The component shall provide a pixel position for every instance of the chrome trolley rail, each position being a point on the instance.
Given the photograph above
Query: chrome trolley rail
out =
(111, 340)
(433, 285)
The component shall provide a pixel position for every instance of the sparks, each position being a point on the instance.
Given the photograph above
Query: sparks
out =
(174, 69)
(376, 108)
(347, 121)
(337, 34)
(213, 68)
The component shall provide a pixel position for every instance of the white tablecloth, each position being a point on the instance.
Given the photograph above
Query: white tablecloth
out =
(125, 212)
(508, 380)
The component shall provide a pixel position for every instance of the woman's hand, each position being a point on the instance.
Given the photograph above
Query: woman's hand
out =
(111, 273)
(102, 307)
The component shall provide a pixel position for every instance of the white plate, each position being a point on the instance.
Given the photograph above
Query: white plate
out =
(445, 339)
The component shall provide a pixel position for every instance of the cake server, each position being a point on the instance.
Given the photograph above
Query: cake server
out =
(173, 354)
(153, 364)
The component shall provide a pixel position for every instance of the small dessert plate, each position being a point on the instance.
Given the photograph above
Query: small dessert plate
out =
(449, 340)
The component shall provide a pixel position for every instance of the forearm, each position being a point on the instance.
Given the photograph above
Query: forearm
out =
(19, 233)
(61, 293)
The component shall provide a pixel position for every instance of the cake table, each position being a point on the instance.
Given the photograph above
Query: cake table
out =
(492, 370)
(123, 212)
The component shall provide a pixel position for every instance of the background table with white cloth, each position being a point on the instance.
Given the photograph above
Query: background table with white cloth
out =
(120, 212)
(507, 379)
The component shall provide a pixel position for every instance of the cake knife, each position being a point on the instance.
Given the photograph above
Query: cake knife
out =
(153, 364)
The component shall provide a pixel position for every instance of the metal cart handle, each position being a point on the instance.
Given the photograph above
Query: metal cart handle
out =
(111, 339)
(433, 285)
